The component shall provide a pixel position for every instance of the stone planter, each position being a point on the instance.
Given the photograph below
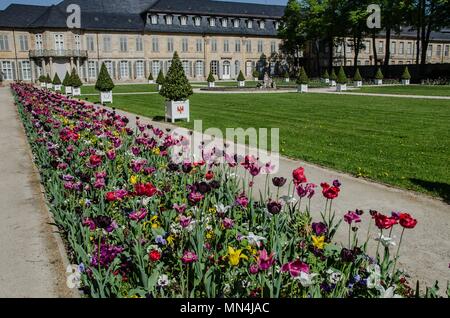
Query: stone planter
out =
(151, 82)
(58, 88)
(159, 87)
(326, 80)
(286, 80)
(44, 85)
(302, 88)
(333, 83)
(378, 82)
(76, 91)
(255, 79)
(357, 83)
(177, 110)
(68, 90)
(241, 83)
(211, 84)
(49, 85)
(406, 81)
(106, 97)
(341, 87)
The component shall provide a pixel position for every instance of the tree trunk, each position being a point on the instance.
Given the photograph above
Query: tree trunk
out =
(331, 53)
(374, 45)
(387, 56)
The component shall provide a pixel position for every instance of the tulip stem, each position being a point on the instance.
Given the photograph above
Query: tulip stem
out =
(397, 254)
(378, 245)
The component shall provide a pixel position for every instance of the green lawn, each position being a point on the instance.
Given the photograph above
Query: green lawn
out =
(132, 88)
(402, 142)
(408, 90)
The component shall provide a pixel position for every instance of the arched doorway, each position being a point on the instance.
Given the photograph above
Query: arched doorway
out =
(226, 74)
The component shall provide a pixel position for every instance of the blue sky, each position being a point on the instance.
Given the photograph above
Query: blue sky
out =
(5, 3)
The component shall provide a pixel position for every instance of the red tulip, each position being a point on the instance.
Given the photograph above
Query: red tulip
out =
(407, 221)
(299, 176)
(383, 222)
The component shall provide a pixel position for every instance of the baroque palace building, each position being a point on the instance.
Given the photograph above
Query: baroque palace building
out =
(136, 37)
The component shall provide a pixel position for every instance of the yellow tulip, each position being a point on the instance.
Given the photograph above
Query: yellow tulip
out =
(133, 180)
(318, 241)
(234, 256)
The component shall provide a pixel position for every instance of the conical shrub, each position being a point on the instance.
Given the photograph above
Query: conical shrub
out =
(176, 86)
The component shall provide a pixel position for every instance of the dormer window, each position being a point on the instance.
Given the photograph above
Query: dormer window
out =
(224, 22)
(183, 20)
(197, 21)
(277, 25)
(212, 22)
(236, 23)
(262, 25)
(168, 19)
(154, 19)
(249, 24)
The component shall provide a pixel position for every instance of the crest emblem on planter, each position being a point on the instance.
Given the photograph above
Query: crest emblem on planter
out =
(180, 109)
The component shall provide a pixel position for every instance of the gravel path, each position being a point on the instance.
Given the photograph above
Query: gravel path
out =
(31, 263)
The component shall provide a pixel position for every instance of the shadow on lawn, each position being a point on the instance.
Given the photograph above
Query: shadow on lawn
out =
(442, 189)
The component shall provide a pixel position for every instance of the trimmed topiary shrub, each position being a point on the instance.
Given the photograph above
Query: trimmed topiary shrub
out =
(66, 81)
(379, 75)
(211, 78)
(357, 77)
(150, 77)
(104, 82)
(176, 86)
(56, 80)
(43, 79)
(286, 74)
(342, 77)
(160, 79)
(241, 77)
(255, 74)
(302, 77)
(75, 80)
(48, 79)
(406, 75)
(325, 75)
(333, 76)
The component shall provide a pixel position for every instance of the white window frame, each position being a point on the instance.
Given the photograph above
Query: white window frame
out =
(139, 44)
(7, 70)
(140, 69)
(199, 45)
(170, 45)
(92, 69)
(154, 19)
(26, 70)
(237, 46)
(212, 22)
(155, 44)
(59, 42)
(226, 46)
(124, 69)
(249, 24)
(260, 46)
(213, 45)
(184, 45)
(262, 24)
(156, 67)
(169, 19)
(224, 23)
(77, 40)
(39, 43)
(183, 20)
(186, 68)
(4, 46)
(197, 21)
(110, 68)
(107, 46)
(123, 44)
(199, 69)
(23, 41)
(236, 23)
(214, 66)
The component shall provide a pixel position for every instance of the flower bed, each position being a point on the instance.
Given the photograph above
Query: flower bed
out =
(140, 225)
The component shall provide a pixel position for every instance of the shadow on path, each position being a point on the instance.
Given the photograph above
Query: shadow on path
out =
(443, 189)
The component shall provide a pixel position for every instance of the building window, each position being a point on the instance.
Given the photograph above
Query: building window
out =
(92, 70)
(124, 70)
(186, 68)
(90, 43)
(212, 22)
(249, 24)
(236, 23)
(154, 19)
(400, 62)
(237, 46)
(26, 70)
(447, 50)
(197, 21)
(339, 48)
(7, 70)
(23, 42)
(262, 25)
(214, 67)
(367, 62)
(155, 44)
(156, 66)
(139, 44)
(123, 44)
(140, 69)
(367, 47)
(430, 50)
(237, 68)
(439, 50)
(199, 69)
(213, 45)
(380, 47)
(183, 20)
(59, 42)
(199, 45)
(184, 45)
(168, 19)
(226, 46)
(273, 47)
(107, 47)
(224, 22)
(38, 39)
(348, 47)
(248, 45)
(394, 47)
(401, 48)
(4, 45)
(409, 48)
(260, 46)
(170, 45)
(77, 39)
(109, 68)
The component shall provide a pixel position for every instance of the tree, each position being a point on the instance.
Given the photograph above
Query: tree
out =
(357, 20)
(255, 73)
(43, 79)
(379, 75)
(56, 80)
(150, 77)
(342, 77)
(66, 81)
(325, 74)
(48, 79)
(357, 77)
(333, 76)
(160, 79)
(302, 77)
(406, 75)
(241, 77)
(176, 86)
(104, 82)
(75, 80)
(211, 78)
